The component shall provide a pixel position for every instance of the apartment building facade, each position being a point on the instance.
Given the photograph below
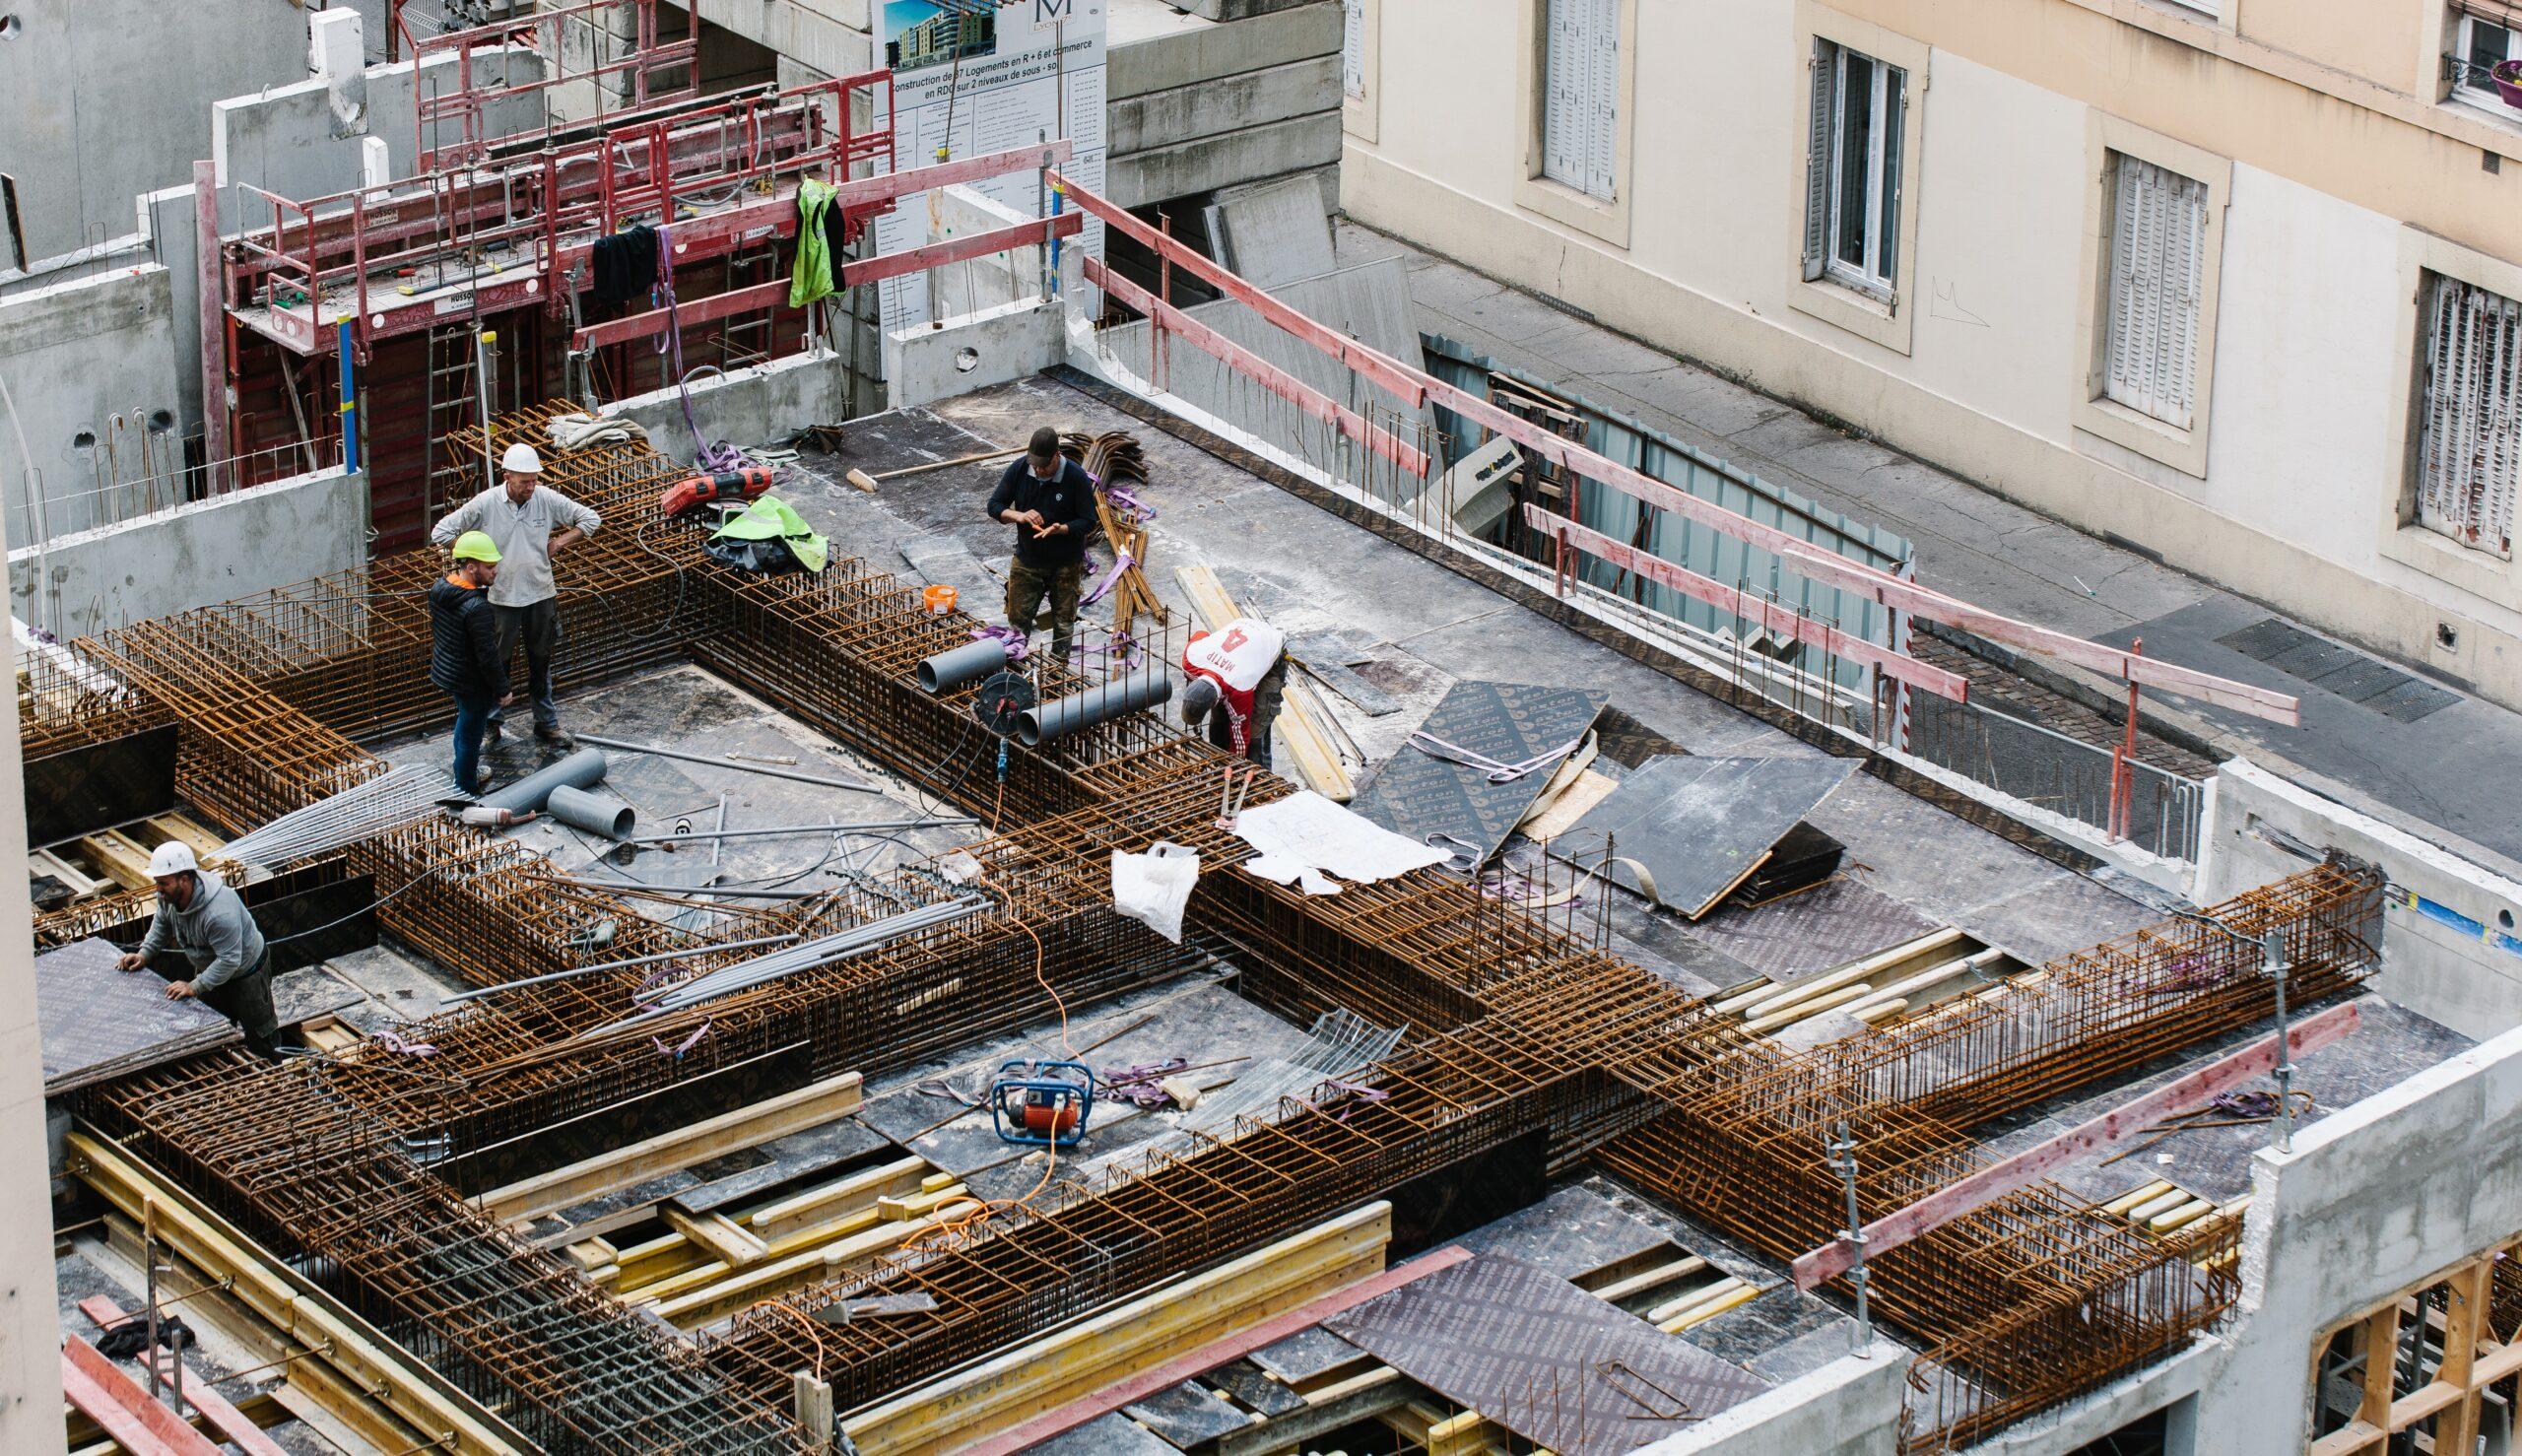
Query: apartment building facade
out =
(2238, 282)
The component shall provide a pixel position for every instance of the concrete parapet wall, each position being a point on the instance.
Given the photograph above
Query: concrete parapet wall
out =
(75, 356)
(760, 405)
(1850, 1407)
(2466, 978)
(192, 554)
(1158, 48)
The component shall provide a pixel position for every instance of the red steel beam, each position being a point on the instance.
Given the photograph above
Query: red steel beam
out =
(229, 1422)
(698, 311)
(894, 186)
(1213, 1354)
(1772, 617)
(1989, 1184)
(1027, 234)
(1171, 320)
(138, 1421)
(1416, 385)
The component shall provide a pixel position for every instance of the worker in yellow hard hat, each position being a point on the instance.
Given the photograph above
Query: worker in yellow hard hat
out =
(530, 523)
(465, 660)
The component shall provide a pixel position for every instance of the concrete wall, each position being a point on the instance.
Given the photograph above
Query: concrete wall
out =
(973, 351)
(1850, 1407)
(2334, 193)
(30, 1319)
(756, 406)
(192, 554)
(74, 355)
(290, 139)
(103, 99)
(2374, 1200)
(1195, 103)
(2469, 980)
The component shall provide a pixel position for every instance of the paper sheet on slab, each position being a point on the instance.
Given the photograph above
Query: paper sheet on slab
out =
(1306, 839)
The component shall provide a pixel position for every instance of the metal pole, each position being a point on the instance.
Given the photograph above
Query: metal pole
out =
(483, 352)
(1844, 1158)
(2272, 947)
(935, 822)
(562, 975)
(349, 399)
(762, 770)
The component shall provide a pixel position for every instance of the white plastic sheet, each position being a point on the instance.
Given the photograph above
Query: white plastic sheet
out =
(1307, 839)
(1152, 888)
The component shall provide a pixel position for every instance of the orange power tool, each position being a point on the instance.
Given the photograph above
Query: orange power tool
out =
(698, 491)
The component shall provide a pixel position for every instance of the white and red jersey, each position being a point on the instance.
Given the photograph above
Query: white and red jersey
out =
(1236, 657)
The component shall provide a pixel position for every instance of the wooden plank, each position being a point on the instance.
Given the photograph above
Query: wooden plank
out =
(987, 1410)
(1772, 617)
(858, 1190)
(138, 1421)
(730, 1132)
(2024, 1169)
(703, 1302)
(718, 1234)
(199, 1393)
(1316, 762)
(364, 1361)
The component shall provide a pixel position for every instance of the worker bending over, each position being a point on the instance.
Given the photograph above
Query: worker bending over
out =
(530, 523)
(467, 660)
(206, 921)
(1236, 679)
(1049, 500)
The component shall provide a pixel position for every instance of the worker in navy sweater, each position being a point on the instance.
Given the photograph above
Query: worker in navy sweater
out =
(1049, 500)
(465, 659)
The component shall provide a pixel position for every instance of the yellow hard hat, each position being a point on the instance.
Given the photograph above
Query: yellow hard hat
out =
(476, 546)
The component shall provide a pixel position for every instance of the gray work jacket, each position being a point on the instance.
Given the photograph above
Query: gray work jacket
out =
(216, 932)
(523, 535)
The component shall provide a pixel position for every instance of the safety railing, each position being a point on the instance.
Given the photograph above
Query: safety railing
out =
(2154, 809)
(617, 38)
(493, 236)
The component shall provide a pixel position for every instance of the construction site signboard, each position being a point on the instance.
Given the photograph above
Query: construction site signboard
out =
(972, 77)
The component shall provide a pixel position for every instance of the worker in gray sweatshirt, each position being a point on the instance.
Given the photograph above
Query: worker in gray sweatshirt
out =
(201, 917)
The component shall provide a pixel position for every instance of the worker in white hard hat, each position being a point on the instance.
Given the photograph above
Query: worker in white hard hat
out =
(202, 918)
(530, 523)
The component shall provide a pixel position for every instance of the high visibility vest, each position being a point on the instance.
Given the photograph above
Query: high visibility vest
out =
(1236, 657)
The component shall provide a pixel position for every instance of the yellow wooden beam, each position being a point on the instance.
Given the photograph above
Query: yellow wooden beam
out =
(624, 1168)
(1050, 1370)
(364, 1360)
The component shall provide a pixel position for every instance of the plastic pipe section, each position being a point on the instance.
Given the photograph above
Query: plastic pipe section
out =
(583, 770)
(969, 662)
(1061, 716)
(580, 809)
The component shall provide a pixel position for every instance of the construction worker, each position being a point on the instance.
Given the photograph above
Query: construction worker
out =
(1049, 500)
(467, 660)
(206, 921)
(1235, 678)
(530, 523)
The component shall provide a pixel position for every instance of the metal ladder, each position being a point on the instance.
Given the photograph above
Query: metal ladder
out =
(451, 407)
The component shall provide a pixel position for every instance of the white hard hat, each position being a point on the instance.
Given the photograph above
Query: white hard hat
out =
(521, 459)
(171, 858)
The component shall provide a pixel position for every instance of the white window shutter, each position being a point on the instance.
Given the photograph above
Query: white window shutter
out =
(2470, 421)
(2158, 286)
(1602, 106)
(1560, 126)
(1353, 49)
(1817, 161)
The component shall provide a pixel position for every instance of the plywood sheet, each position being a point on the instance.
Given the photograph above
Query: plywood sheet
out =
(1438, 801)
(100, 1022)
(1698, 826)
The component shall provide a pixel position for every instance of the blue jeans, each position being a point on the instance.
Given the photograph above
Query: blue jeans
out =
(472, 720)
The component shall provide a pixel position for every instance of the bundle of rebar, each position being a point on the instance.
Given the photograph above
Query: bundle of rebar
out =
(401, 795)
(790, 959)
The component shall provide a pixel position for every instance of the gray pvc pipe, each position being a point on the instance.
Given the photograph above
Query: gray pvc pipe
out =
(1061, 716)
(580, 809)
(950, 670)
(582, 769)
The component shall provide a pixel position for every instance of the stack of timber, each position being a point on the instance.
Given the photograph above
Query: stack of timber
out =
(1919, 978)
(1113, 459)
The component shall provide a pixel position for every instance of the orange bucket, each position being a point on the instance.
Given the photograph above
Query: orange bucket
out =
(939, 600)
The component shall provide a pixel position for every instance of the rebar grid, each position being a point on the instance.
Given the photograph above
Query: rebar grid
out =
(1518, 1022)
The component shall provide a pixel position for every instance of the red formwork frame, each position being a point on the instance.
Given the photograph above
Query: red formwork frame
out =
(546, 33)
(320, 260)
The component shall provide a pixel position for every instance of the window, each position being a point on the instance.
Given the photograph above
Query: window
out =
(2157, 275)
(2469, 420)
(1852, 181)
(2430, 1369)
(1581, 96)
(2479, 45)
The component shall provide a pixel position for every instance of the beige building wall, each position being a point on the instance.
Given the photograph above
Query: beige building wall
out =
(2338, 169)
(29, 1321)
